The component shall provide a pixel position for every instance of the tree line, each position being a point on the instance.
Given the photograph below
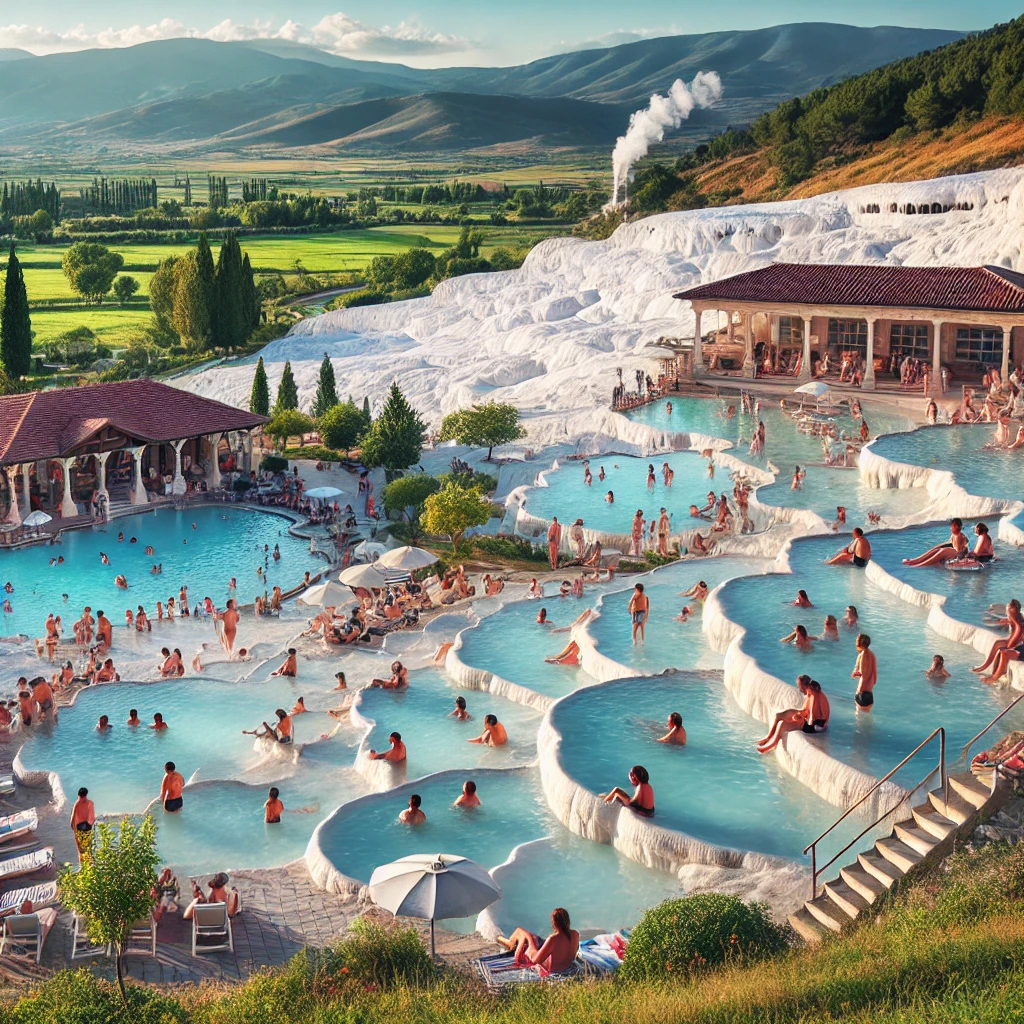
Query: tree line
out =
(121, 195)
(22, 199)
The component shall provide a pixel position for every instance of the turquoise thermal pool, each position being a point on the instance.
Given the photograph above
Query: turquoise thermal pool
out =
(226, 542)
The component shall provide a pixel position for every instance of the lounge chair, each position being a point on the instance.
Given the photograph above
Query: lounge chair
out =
(24, 930)
(498, 972)
(82, 945)
(211, 928)
(18, 824)
(142, 938)
(26, 863)
(43, 895)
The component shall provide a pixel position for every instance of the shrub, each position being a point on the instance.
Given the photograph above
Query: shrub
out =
(514, 549)
(316, 452)
(484, 482)
(385, 956)
(273, 464)
(682, 936)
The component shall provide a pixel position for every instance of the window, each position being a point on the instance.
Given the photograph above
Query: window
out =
(791, 331)
(909, 340)
(848, 336)
(979, 345)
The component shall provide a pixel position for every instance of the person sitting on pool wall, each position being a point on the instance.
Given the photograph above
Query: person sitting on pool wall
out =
(395, 754)
(857, 552)
(642, 800)
(811, 718)
(289, 667)
(955, 547)
(399, 678)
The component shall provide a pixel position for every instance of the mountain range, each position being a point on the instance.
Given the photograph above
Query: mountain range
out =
(274, 95)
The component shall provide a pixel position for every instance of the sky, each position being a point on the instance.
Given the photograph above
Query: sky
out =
(435, 33)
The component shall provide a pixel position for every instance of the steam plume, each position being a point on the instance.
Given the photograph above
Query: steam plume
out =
(647, 126)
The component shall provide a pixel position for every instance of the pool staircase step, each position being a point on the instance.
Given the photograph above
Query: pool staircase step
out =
(921, 839)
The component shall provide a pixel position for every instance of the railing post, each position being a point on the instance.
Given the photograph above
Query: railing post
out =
(942, 766)
(814, 872)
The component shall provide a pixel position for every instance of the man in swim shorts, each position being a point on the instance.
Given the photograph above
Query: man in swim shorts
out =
(857, 553)
(866, 671)
(639, 609)
(412, 815)
(170, 789)
(554, 540)
(43, 696)
(290, 666)
(395, 754)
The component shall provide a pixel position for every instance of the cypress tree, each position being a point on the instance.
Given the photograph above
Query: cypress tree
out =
(287, 392)
(15, 324)
(326, 390)
(191, 311)
(259, 400)
(366, 409)
(229, 324)
(252, 305)
(207, 278)
(396, 436)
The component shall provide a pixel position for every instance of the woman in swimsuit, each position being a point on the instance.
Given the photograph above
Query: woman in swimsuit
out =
(802, 600)
(937, 670)
(642, 800)
(553, 955)
(798, 638)
(955, 547)
(1015, 622)
(830, 630)
(811, 718)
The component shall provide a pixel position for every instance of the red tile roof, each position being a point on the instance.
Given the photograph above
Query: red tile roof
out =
(48, 424)
(978, 289)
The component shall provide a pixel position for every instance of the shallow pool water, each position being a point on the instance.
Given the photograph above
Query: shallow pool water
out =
(226, 542)
(606, 729)
(512, 645)
(907, 705)
(959, 449)
(668, 643)
(436, 742)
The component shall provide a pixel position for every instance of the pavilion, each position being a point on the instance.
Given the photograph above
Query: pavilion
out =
(964, 318)
(120, 444)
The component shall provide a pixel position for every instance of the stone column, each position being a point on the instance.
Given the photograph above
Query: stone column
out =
(936, 385)
(214, 480)
(730, 329)
(869, 369)
(805, 363)
(68, 508)
(178, 486)
(26, 489)
(139, 496)
(13, 514)
(748, 345)
(101, 475)
(1004, 371)
(698, 351)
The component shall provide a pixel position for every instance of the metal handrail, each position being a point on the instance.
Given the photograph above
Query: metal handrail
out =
(812, 847)
(1012, 704)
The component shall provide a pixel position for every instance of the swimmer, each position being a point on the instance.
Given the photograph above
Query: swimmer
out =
(170, 789)
(289, 667)
(467, 799)
(811, 718)
(937, 670)
(798, 638)
(601, 474)
(841, 515)
(104, 559)
(158, 723)
(103, 725)
(542, 618)
(120, 538)
(273, 808)
(299, 707)
(120, 581)
(651, 479)
(676, 733)
(955, 547)
(668, 474)
(866, 672)
(399, 679)
(494, 734)
(830, 630)
(342, 684)
(798, 479)
(413, 814)
(686, 612)
(133, 718)
(395, 754)
(699, 591)
(857, 552)
(150, 550)
(610, 498)
(642, 799)
(668, 408)
(932, 412)
(639, 610)
(281, 731)
(460, 713)
(802, 600)
(588, 478)
(157, 569)
(134, 540)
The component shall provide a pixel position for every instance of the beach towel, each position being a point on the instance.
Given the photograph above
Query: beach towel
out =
(26, 863)
(44, 895)
(499, 971)
(18, 824)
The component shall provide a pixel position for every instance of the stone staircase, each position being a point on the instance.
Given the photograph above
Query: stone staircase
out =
(925, 837)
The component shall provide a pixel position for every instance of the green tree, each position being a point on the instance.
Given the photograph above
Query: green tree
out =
(405, 497)
(395, 438)
(452, 510)
(341, 426)
(208, 280)
(287, 423)
(124, 288)
(251, 304)
(326, 389)
(287, 391)
(191, 313)
(259, 399)
(367, 418)
(91, 268)
(113, 887)
(162, 287)
(15, 323)
(483, 426)
(231, 326)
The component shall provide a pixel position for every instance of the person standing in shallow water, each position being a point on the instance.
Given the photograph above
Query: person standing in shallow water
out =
(639, 609)
(554, 541)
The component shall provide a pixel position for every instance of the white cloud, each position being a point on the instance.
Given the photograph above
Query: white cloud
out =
(336, 33)
(617, 38)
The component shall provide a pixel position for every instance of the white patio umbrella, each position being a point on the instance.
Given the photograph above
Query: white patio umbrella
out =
(370, 549)
(406, 558)
(37, 518)
(815, 388)
(325, 595)
(323, 493)
(368, 576)
(433, 887)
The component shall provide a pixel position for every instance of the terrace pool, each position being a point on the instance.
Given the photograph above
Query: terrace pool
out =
(226, 542)
(989, 474)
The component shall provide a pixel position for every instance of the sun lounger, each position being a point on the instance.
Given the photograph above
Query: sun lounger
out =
(44, 895)
(26, 864)
(19, 824)
(211, 928)
(24, 930)
(142, 938)
(498, 971)
(82, 945)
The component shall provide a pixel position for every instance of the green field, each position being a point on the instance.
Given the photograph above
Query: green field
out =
(319, 254)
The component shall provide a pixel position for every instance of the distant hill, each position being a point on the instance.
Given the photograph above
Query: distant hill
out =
(212, 94)
(10, 53)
